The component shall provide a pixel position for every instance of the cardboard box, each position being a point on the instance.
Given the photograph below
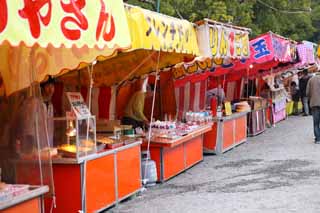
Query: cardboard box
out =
(110, 126)
(107, 125)
(257, 103)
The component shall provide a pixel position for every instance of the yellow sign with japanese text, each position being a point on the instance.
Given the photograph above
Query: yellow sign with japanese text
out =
(79, 23)
(50, 37)
(154, 31)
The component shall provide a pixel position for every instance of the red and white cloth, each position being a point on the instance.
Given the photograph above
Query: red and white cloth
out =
(103, 100)
(190, 96)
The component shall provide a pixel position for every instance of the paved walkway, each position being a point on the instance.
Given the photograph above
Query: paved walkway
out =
(277, 171)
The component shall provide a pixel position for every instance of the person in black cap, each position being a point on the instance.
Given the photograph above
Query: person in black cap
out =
(47, 90)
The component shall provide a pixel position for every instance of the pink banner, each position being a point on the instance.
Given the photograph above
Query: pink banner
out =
(266, 52)
(261, 49)
(281, 49)
(306, 54)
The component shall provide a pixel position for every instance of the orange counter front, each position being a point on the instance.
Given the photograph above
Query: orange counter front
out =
(98, 181)
(175, 156)
(27, 202)
(227, 132)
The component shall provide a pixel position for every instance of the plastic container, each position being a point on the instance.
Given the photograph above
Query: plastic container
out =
(148, 169)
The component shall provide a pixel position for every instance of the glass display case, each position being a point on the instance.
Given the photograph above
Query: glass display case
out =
(75, 137)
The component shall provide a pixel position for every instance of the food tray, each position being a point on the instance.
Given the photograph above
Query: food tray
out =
(72, 153)
(114, 145)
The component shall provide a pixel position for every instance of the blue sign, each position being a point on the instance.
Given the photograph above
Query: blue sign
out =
(260, 48)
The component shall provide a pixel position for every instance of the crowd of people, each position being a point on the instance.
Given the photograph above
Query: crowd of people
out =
(307, 90)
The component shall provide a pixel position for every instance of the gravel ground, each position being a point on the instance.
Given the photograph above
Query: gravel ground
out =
(277, 171)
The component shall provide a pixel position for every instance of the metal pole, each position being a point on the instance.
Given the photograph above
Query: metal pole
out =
(158, 6)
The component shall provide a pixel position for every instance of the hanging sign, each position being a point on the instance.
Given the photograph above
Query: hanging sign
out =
(306, 54)
(78, 105)
(73, 22)
(50, 37)
(223, 41)
(160, 32)
(281, 48)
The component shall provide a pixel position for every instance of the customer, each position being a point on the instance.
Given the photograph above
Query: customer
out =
(302, 86)
(295, 94)
(313, 92)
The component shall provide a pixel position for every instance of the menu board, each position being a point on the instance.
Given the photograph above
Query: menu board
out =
(78, 105)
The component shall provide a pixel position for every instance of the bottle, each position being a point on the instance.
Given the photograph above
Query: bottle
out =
(219, 111)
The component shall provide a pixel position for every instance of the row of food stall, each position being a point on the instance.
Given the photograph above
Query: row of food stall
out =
(205, 79)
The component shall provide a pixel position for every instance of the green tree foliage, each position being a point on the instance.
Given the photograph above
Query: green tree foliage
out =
(289, 18)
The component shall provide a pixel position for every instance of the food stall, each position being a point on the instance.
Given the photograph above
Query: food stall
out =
(221, 45)
(177, 146)
(90, 168)
(271, 54)
(278, 55)
(80, 168)
(151, 52)
(114, 157)
(96, 172)
(307, 60)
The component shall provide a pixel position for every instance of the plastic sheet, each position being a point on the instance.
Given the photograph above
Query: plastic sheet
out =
(24, 140)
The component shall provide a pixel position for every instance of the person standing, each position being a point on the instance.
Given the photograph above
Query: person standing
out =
(134, 111)
(47, 91)
(215, 92)
(302, 86)
(312, 91)
(295, 94)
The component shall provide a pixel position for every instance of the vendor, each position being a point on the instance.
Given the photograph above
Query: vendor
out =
(216, 92)
(47, 90)
(133, 114)
(265, 91)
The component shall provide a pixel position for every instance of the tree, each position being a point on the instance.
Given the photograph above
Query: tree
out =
(289, 18)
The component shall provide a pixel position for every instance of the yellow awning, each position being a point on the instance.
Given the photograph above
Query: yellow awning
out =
(51, 37)
(151, 33)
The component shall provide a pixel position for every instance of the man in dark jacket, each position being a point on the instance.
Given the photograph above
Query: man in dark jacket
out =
(312, 91)
(302, 87)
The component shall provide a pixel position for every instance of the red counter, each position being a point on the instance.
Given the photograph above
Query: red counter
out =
(227, 132)
(175, 156)
(98, 181)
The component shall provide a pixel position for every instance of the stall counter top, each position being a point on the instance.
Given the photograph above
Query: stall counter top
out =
(160, 142)
(61, 160)
(35, 191)
(231, 117)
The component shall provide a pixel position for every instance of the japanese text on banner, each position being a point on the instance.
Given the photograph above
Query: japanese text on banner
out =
(72, 22)
(225, 42)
